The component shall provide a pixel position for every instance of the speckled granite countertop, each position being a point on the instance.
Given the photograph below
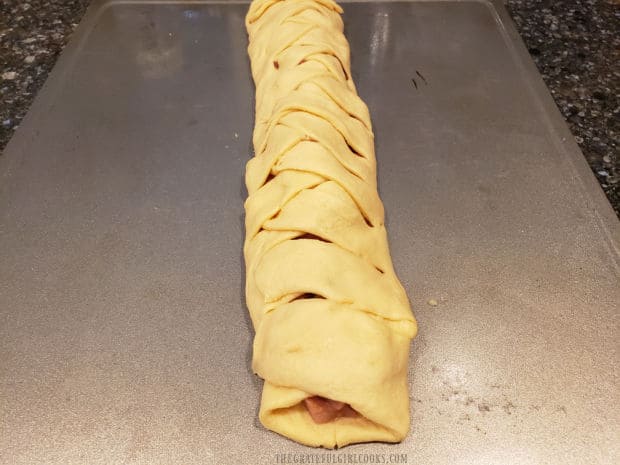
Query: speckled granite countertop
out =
(575, 44)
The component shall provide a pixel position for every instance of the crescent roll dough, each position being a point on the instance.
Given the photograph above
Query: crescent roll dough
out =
(333, 323)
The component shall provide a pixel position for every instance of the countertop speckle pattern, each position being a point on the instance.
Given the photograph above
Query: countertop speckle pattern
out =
(575, 44)
(32, 35)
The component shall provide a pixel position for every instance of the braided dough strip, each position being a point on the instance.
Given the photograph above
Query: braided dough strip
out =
(333, 323)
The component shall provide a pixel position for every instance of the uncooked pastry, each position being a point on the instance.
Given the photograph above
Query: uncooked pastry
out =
(333, 323)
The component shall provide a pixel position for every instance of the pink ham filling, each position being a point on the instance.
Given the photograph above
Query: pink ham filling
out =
(324, 410)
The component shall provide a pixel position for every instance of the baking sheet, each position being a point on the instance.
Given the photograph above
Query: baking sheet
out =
(124, 336)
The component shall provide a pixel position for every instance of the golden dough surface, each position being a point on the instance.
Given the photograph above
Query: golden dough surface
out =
(333, 322)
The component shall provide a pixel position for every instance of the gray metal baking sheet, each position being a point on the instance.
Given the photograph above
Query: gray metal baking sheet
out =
(124, 337)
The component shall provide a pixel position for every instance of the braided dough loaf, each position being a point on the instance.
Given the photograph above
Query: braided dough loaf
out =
(333, 323)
